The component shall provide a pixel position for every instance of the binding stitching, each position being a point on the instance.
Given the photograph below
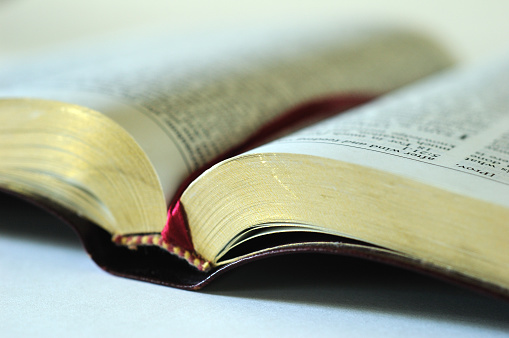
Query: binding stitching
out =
(133, 241)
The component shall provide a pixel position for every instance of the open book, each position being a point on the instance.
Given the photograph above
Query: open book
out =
(419, 177)
(114, 142)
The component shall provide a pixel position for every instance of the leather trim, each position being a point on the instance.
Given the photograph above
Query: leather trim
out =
(154, 265)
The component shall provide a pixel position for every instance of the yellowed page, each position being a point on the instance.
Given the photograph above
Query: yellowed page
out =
(451, 131)
(186, 100)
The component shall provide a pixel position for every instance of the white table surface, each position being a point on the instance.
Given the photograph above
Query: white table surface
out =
(49, 286)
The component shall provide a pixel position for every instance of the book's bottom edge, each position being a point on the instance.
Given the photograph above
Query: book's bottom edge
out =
(155, 265)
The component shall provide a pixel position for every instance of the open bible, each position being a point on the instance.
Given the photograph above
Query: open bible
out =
(419, 177)
(112, 138)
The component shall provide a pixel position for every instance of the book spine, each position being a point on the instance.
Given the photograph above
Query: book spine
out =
(134, 241)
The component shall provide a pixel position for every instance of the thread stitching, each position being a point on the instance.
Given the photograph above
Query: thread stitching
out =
(134, 241)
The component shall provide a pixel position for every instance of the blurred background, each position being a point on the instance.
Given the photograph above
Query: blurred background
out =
(472, 29)
(50, 285)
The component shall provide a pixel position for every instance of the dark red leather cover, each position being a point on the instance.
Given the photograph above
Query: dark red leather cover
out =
(154, 265)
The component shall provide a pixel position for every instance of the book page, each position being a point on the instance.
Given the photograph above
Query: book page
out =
(451, 131)
(187, 100)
